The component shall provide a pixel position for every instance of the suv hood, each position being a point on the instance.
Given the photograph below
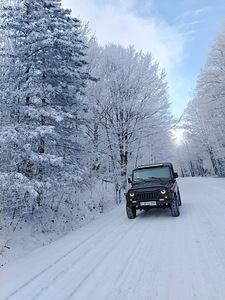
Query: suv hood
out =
(151, 184)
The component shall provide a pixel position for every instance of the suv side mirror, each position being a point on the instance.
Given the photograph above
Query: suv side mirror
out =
(129, 180)
(175, 175)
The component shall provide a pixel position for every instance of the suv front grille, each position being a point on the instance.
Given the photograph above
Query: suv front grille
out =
(147, 196)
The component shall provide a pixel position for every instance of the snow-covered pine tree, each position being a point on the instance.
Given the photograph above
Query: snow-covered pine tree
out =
(41, 59)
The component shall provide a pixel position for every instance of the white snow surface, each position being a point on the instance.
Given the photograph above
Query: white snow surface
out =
(154, 256)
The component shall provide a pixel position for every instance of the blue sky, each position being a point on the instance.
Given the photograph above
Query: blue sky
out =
(177, 33)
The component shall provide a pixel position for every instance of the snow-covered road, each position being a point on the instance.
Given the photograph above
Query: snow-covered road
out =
(155, 256)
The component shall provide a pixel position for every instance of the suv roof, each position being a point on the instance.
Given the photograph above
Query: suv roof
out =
(155, 165)
(166, 164)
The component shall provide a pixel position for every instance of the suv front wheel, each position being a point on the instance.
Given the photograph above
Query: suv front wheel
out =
(175, 207)
(179, 198)
(131, 212)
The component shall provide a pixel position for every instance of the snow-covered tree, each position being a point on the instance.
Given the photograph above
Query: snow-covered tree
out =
(131, 110)
(205, 114)
(41, 61)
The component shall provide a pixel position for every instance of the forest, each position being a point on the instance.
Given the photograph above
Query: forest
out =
(77, 117)
(203, 151)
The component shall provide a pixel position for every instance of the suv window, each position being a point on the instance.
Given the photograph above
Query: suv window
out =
(143, 174)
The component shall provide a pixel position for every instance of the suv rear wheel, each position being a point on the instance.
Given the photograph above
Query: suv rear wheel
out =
(131, 212)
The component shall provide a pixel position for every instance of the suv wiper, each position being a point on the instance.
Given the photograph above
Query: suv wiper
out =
(149, 178)
(139, 180)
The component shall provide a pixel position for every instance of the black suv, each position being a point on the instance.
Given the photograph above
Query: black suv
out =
(153, 186)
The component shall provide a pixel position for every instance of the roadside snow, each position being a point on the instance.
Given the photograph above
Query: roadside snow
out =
(20, 239)
(154, 257)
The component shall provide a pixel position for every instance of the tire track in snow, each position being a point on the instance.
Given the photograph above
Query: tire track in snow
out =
(134, 264)
(148, 267)
(210, 240)
(82, 267)
(34, 279)
(129, 248)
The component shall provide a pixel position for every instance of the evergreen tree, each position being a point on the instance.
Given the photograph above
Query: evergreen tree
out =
(42, 117)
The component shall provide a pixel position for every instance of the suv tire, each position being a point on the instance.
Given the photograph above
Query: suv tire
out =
(131, 212)
(175, 207)
(179, 198)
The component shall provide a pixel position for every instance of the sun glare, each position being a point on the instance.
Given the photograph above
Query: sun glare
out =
(178, 135)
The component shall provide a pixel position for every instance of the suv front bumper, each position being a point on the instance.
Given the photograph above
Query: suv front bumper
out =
(149, 203)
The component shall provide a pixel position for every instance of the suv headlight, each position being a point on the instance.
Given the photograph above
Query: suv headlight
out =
(131, 194)
(163, 192)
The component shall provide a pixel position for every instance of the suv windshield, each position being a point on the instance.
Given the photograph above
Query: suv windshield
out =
(147, 174)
